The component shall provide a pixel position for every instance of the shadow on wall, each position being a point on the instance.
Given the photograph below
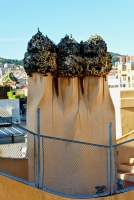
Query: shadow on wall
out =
(127, 116)
(14, 166)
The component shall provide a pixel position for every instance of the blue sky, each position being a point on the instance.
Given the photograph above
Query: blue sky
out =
(111, 19)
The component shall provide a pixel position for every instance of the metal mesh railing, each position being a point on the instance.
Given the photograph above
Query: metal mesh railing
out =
(32, 157)
(74, 169)
(66, 167)
(18, 154)
(124, 166)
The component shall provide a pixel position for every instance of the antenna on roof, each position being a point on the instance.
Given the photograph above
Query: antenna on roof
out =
(38, 30)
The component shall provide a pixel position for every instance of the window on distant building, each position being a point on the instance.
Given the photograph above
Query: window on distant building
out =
(132, 67)
(124, 78)
(132, 77)
(116, 85)
(122, 85)
(129, 80)
(132, 84)
(123, 67)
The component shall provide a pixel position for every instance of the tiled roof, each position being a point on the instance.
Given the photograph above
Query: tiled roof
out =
(9, 131)
(7, 128)
(113, 72)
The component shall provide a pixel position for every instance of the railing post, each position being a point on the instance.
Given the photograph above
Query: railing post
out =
(35, 140)
(38, 132)
(111, 164)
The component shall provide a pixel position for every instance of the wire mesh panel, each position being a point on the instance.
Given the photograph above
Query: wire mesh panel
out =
(17, 159)
(11, 161)
(32, 157)
(124, 166)
(74, 168)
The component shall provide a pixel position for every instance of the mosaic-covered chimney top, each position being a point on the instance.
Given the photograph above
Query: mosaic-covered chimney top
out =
(68, 57)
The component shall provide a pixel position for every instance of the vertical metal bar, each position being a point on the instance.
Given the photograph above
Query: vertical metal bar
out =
(111, 164)
(38, 132)
(43, 140)
(115, 169)
(107, 168)
(34, 159)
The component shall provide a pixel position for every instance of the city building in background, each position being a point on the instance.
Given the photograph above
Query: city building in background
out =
(127, 58)
(122, 74)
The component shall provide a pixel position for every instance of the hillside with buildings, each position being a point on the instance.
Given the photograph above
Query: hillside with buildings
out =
(121, 75)
(17, 71)
(115, 58)
(11, 61)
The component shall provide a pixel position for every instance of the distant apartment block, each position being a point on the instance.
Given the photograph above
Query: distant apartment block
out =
(8, 65)
(1, 65)
(123, 76)
(126, 74)
(127, 58)
(113, 80)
